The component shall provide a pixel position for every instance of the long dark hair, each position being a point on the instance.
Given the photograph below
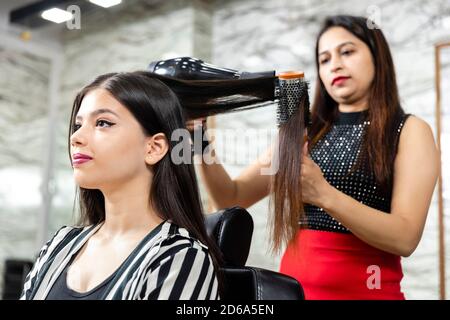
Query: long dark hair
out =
(384, 109)
(209, 97)
(174, 192)
(286, 190)
(202, 98)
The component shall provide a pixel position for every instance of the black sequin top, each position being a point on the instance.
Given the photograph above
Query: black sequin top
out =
(335, 153)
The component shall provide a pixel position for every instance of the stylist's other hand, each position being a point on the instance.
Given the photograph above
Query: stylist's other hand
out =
(314, 185)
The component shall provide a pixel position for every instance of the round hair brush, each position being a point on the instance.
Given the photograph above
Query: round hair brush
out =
(292, 94)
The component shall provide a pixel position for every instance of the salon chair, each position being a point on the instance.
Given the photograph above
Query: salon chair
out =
(13, 277)
(232, 230)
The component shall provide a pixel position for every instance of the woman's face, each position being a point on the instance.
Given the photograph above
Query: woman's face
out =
(346, 67)
(109, 146)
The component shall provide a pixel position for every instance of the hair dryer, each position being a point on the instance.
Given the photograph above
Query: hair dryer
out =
(188, 68)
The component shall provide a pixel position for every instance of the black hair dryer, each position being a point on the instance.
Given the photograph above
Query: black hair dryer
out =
(188, 68)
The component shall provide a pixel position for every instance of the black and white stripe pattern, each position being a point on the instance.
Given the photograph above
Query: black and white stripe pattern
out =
(167, 264)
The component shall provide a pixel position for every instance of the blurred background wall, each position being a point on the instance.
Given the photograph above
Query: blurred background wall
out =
(41, 69)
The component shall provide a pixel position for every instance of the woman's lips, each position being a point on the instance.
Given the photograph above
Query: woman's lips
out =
(339, 81)
(80, 161)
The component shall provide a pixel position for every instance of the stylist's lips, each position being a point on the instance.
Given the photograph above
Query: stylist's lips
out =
(339, 80)
(79, 158)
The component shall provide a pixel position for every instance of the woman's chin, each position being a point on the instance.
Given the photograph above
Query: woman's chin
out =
(86, 183)
(347, 99)
(87, 186)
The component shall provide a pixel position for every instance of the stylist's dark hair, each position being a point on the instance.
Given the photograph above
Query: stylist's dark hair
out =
(384, 104)
(174, 192)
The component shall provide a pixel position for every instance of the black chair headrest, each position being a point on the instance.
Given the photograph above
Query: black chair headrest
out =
(232, 229)
(251, 283)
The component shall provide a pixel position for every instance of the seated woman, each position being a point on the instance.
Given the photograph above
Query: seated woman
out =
(141, 232)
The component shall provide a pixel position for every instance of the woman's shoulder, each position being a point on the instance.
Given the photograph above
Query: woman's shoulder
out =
(415, 120)
(415, 126)
(61, 234)
(417, 136)
(174, 235)
(68, 231)
(65, 233)
(174, 243)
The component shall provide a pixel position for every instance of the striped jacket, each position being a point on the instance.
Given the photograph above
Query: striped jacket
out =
(167, 264)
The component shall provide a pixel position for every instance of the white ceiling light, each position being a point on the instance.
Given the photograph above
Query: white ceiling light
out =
(106, 3)
(56, 15)
(446, 22)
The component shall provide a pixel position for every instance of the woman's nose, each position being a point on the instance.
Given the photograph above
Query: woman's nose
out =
(78, 137)
(336, 64)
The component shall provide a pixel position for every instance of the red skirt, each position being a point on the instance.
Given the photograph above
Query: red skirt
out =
(339, 266)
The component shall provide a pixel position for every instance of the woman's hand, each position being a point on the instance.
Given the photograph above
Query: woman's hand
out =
(314, 185)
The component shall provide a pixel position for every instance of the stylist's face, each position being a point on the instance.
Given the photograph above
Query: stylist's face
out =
(346, 66)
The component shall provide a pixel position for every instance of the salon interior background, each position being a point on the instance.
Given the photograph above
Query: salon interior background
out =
(41, 68)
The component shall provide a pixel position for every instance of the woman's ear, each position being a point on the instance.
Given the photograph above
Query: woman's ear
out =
(157, 147)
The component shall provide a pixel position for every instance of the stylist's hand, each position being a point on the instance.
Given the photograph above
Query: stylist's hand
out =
(195, 123)
(314, 185)
(199, 139)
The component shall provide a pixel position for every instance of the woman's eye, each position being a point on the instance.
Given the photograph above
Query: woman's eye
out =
(324, 61)
(104, 123)
(347, 52)
(76, 126)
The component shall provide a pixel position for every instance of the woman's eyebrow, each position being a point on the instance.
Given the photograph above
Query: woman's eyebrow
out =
(339, 46)
(97, 112)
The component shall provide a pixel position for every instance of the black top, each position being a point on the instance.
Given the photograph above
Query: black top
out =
(336, 153)
(60, 290)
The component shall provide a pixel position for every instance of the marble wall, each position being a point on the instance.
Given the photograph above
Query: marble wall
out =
(444, 89)
(23, 127)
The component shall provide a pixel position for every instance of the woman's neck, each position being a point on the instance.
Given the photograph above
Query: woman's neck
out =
(358, 106)
(128, 210)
